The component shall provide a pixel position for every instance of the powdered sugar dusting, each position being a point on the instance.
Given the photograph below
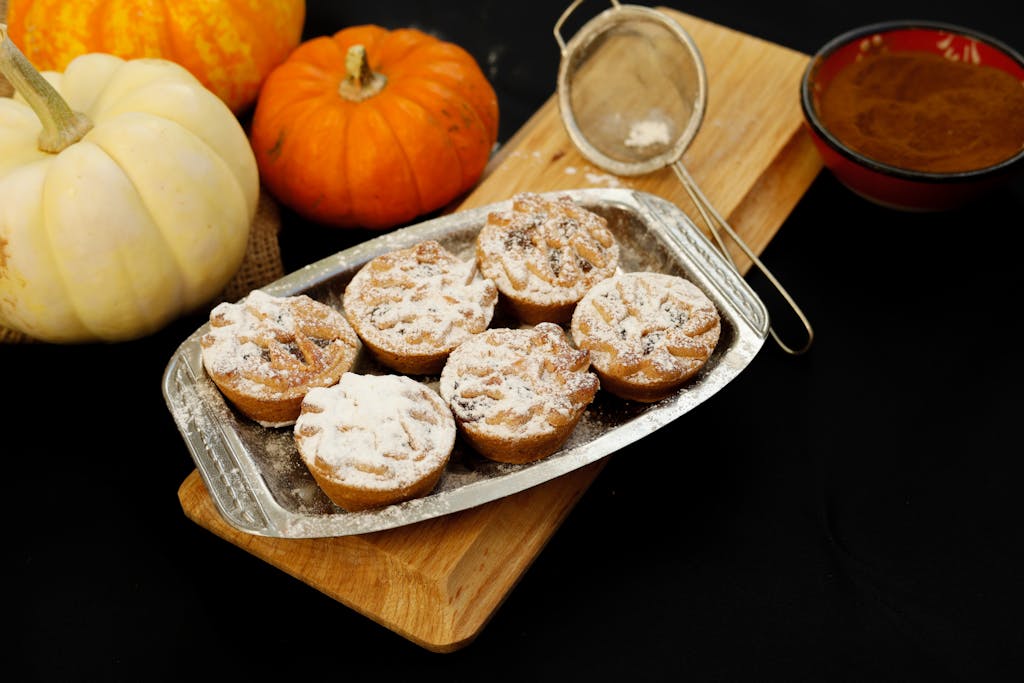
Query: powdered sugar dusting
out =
(266, 345)
(419, 300)
(647, 133)
(375, 431)
(514, 383)
(231, 344)
(646, 325)
(546, 251)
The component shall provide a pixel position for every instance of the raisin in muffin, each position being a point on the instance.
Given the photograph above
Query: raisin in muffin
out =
(265, 352)
(647, 333)
(544, 254)
(412, 306)
(518, 394)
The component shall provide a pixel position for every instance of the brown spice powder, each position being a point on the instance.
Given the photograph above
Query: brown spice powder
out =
(921, 111)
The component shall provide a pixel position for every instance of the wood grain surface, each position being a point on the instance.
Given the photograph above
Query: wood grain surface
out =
(438, 582)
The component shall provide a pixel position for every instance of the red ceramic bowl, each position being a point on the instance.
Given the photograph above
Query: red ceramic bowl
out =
(882, 183)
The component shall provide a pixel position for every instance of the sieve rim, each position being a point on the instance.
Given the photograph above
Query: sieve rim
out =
(600, 24)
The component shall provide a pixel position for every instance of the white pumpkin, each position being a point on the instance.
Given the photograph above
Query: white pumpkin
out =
(111, 235)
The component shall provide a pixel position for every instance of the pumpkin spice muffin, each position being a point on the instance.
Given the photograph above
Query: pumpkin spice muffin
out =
(412, 306)
(518, 394)
(265, 352)
(544, 254)
(647, 333)
(374, 440)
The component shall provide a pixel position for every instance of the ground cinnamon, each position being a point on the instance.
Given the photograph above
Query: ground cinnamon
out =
(922, 111)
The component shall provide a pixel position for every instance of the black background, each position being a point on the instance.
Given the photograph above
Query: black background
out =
(848, 515)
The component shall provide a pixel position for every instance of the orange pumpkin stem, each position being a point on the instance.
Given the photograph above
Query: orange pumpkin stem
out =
(361, 82)
(62, 127)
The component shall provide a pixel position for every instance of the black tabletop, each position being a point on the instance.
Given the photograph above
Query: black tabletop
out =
(851, 514)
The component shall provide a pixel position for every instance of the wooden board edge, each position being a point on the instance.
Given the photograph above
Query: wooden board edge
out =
(785, 181)
(464, 597)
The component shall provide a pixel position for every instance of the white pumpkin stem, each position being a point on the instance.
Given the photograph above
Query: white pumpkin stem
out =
(62, 126)
(361, 82)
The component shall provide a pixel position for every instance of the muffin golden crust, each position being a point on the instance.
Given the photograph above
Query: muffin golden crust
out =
(518, 394)
(412, 306)
(375, 440)
(265, 352)
(544, 254)
(647, 333)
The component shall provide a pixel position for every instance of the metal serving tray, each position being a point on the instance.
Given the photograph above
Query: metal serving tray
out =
(260, 485)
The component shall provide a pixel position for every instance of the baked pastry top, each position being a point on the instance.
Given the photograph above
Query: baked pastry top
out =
(517, 394)
(544, 254)
(265, 352)
(412, 306)
(647, 333)
(373, 440)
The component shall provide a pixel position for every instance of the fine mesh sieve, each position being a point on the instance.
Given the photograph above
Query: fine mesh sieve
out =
(632, 92)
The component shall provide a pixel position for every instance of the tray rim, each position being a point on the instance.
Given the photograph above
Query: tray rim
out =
(239, 492)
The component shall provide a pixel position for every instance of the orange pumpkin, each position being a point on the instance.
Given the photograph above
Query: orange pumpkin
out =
(371, 128)
(229, 45)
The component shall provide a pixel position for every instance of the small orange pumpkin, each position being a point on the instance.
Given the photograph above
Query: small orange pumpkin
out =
(229, 45)
(371, 128)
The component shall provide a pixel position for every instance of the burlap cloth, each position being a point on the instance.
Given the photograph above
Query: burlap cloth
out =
(262, 262)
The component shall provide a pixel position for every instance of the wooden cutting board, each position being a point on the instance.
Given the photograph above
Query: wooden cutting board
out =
(438, 582)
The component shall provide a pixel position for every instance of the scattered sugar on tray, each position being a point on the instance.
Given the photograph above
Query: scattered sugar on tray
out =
(368, 426)
(367, 521)
(191, 408)
(587, 429)
(279, 453)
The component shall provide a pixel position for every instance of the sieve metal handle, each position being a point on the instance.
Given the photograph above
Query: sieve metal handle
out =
(565, 15)
(619, 14)
(714, 220)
